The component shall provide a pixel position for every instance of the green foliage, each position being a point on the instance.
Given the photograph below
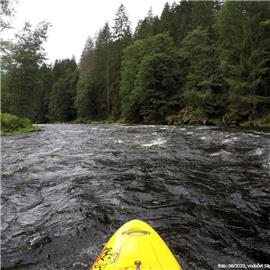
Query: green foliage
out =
(150, 77)
(244, 46)
(85, 101)
(97, 96)
(199, 62)
(46, 84)
(21, 70)
(61, 100)
(6, 12)
(180, 19)
(147, 27)
(11, 124)
(93, 97)
(122, 29)
(203, 89)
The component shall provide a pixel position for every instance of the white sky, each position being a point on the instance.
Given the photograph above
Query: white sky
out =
(74, 20)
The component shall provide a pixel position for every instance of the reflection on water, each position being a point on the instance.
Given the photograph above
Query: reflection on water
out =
(66, 189)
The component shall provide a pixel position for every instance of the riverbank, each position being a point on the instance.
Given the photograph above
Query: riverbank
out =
(189, 116)
(186, 117)
(12, 124)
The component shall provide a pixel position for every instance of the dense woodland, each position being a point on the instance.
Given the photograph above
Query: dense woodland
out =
(199, 62)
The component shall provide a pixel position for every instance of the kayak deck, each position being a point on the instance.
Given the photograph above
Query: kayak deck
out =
(136, 245)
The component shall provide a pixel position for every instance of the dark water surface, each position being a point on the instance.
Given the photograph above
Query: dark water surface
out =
(66, 189)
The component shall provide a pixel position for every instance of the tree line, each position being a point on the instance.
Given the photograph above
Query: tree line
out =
(199, 62)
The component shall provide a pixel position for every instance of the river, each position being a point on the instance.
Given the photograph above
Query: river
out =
(66, 189)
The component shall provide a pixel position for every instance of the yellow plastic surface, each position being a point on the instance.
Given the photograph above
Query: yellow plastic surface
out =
(134, 242)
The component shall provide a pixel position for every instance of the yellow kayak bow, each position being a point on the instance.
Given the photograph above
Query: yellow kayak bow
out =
(135, 246)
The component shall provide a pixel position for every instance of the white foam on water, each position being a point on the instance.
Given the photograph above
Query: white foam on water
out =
(52, 152)
(259, 151)
(253, 135)
(229, 140)
(119, 141)
(222, 152)
(202, 127)
(12, 169)
(158, 141)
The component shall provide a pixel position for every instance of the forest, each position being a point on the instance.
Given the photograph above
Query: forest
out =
(199, 62)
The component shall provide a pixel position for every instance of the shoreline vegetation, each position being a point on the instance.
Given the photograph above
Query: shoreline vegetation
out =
(199, 62)
(12, 124)
(180, 119)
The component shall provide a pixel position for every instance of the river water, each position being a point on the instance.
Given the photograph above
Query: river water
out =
(66, 189)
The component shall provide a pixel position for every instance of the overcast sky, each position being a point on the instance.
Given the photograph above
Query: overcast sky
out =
(74, 20)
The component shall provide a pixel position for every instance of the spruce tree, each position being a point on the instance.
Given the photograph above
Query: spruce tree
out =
(61, 101)
(203, 90)
(244, 54)
(122, 38)
(147, 27)
(86, 100)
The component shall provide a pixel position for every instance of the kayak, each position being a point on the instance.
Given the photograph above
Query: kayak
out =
(136, 245)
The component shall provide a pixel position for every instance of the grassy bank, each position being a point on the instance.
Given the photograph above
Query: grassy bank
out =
(12, 124)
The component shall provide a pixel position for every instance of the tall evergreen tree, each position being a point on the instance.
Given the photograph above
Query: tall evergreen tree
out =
(147, 27)
(61, 104)
(86, 100)
(102, 70)
(122, 27)
(203, 90)
(182, 21)
(167, 19)
(41, 105)
(122, 37)
(244, 48)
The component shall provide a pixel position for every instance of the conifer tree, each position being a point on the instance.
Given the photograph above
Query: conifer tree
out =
(102, 70)
(203, 89)
(61, 103)
(85, 101)
(244, 53)
(147, 27)
(122, 38)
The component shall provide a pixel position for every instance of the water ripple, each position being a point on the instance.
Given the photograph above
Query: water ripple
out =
(66, 189)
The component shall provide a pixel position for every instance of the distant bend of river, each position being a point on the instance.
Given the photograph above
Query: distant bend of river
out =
(66, 189)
